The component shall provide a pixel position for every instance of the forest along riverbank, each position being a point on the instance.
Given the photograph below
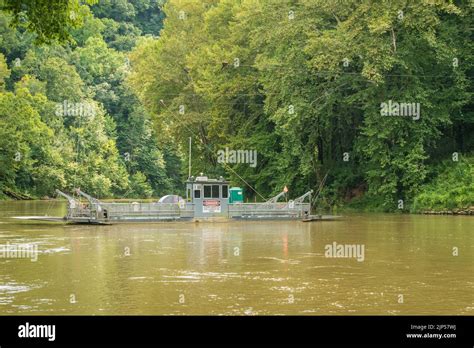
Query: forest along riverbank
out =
(364, 264)
(342, 210)
(84, 111)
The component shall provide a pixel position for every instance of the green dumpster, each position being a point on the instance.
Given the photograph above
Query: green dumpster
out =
(236, 195)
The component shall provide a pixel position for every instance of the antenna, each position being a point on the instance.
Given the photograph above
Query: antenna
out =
(189, 175)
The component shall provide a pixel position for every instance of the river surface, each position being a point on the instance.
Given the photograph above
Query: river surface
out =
(407, 264)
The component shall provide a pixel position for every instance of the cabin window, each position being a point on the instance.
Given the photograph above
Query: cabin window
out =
(215, 191)
(188, 195)
(207, 191)
(197, 193)
(225, 191)
(211, 191)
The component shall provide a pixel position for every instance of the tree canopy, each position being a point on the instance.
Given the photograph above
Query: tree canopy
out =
(68, 119)
(377, 94)
(303, 84)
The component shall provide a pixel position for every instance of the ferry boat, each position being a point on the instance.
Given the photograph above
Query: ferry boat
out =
(206, 200)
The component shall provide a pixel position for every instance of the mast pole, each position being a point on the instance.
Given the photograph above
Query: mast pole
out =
(189, 165)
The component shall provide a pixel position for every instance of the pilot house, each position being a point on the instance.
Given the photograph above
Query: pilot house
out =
(209, 197)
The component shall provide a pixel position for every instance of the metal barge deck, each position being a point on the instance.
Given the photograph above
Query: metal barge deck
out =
(206, 200)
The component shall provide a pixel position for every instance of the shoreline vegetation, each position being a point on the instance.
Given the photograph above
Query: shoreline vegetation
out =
(443, 211)
(106, 98)
(450, 192)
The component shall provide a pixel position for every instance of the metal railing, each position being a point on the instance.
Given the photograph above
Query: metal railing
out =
(119, 211)
(103, 211)
(79, 212)
(290, 209)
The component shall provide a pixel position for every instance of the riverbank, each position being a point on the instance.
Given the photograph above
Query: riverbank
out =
(449, 190)
(350, 208)
(469, 211)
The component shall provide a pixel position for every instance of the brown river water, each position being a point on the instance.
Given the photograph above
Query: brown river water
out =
(406, 264)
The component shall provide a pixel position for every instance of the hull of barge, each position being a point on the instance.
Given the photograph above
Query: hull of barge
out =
(87, 221)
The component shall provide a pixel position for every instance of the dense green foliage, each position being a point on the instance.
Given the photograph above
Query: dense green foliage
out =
(301, 82)
(67, 117)
(50, 20)
(453, 188)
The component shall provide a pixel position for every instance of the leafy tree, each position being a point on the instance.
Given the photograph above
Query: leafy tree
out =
(303, 83)
(91, 27)
(121, 36)
(23, 136)
(146, 15)
(139, 187)
(50, 20)
(4, 72)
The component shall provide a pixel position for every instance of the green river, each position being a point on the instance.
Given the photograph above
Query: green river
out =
(410, 264)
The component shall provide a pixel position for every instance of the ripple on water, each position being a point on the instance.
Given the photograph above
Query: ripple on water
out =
(47, 301)
(200, 276)
(139, 278)
(16, 236)
(289, 261)
(23, 307)
(13, 288)
(54, 250)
